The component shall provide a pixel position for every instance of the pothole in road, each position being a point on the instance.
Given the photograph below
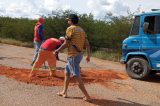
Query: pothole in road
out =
(43, 78)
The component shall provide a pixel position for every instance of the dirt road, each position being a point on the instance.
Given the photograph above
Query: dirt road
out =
(109, 92)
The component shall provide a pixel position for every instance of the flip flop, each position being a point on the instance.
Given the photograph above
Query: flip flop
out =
(61, 94)
(87, 99)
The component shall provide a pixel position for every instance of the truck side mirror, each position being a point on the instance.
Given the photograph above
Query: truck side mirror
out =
(145, 26)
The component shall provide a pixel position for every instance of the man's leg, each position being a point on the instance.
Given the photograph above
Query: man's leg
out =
(36, 49)
(66, 82)
(38, 63)
(65, 87)
(76, 73)
(51, 59)
(82, 88)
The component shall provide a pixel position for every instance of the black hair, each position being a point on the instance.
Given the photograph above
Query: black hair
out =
(74, 18)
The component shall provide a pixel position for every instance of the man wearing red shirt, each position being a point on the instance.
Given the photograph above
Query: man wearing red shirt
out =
(45, 54)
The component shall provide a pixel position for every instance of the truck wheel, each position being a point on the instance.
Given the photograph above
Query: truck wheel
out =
(138, 68)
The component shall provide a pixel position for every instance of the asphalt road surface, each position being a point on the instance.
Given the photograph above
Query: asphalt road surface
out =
(127, 92)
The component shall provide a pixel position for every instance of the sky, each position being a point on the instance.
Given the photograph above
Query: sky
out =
(99, 8)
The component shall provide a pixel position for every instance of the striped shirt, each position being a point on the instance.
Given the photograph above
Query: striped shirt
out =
(76, 37)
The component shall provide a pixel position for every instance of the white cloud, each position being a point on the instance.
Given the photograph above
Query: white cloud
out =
(120, 8)
(66, 7)
(28, 8)
(34, 8)
(51, 4)
(101, 7)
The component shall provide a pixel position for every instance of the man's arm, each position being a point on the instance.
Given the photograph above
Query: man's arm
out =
(63, 46)
(87, 50)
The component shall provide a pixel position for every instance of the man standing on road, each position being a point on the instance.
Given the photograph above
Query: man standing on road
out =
(75, 40)
(38, 38)
(45, 54)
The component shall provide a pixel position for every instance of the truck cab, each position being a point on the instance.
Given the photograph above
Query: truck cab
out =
(141, 50)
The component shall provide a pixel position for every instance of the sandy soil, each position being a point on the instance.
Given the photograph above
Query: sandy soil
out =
(42, 77)
(106, 82)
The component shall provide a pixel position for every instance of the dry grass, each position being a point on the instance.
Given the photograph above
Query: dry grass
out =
(15, 42)
(107, 55)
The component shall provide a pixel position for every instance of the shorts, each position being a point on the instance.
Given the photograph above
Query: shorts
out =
(72, 66)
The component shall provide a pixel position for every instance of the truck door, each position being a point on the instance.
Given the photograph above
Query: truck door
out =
(151, 40)
(134, 41)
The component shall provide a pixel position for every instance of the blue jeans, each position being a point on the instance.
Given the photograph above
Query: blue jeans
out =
(36, 49)
(72, 66)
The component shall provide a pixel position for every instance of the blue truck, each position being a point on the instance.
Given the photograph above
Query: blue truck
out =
(141, 50)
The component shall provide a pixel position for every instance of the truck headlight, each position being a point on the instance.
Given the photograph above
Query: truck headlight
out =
(125, 45)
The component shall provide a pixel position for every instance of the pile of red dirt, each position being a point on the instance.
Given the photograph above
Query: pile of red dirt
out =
(43, 78)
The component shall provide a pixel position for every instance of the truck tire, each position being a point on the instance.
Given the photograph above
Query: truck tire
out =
(138, 68)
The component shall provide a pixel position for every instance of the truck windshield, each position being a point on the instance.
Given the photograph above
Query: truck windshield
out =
(136, 25)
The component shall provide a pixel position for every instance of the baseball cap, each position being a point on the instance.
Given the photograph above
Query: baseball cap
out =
(61, 38)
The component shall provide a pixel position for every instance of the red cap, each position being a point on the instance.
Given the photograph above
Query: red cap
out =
(40, 19)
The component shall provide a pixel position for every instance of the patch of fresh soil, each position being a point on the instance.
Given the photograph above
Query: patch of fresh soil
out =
(42, 77)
